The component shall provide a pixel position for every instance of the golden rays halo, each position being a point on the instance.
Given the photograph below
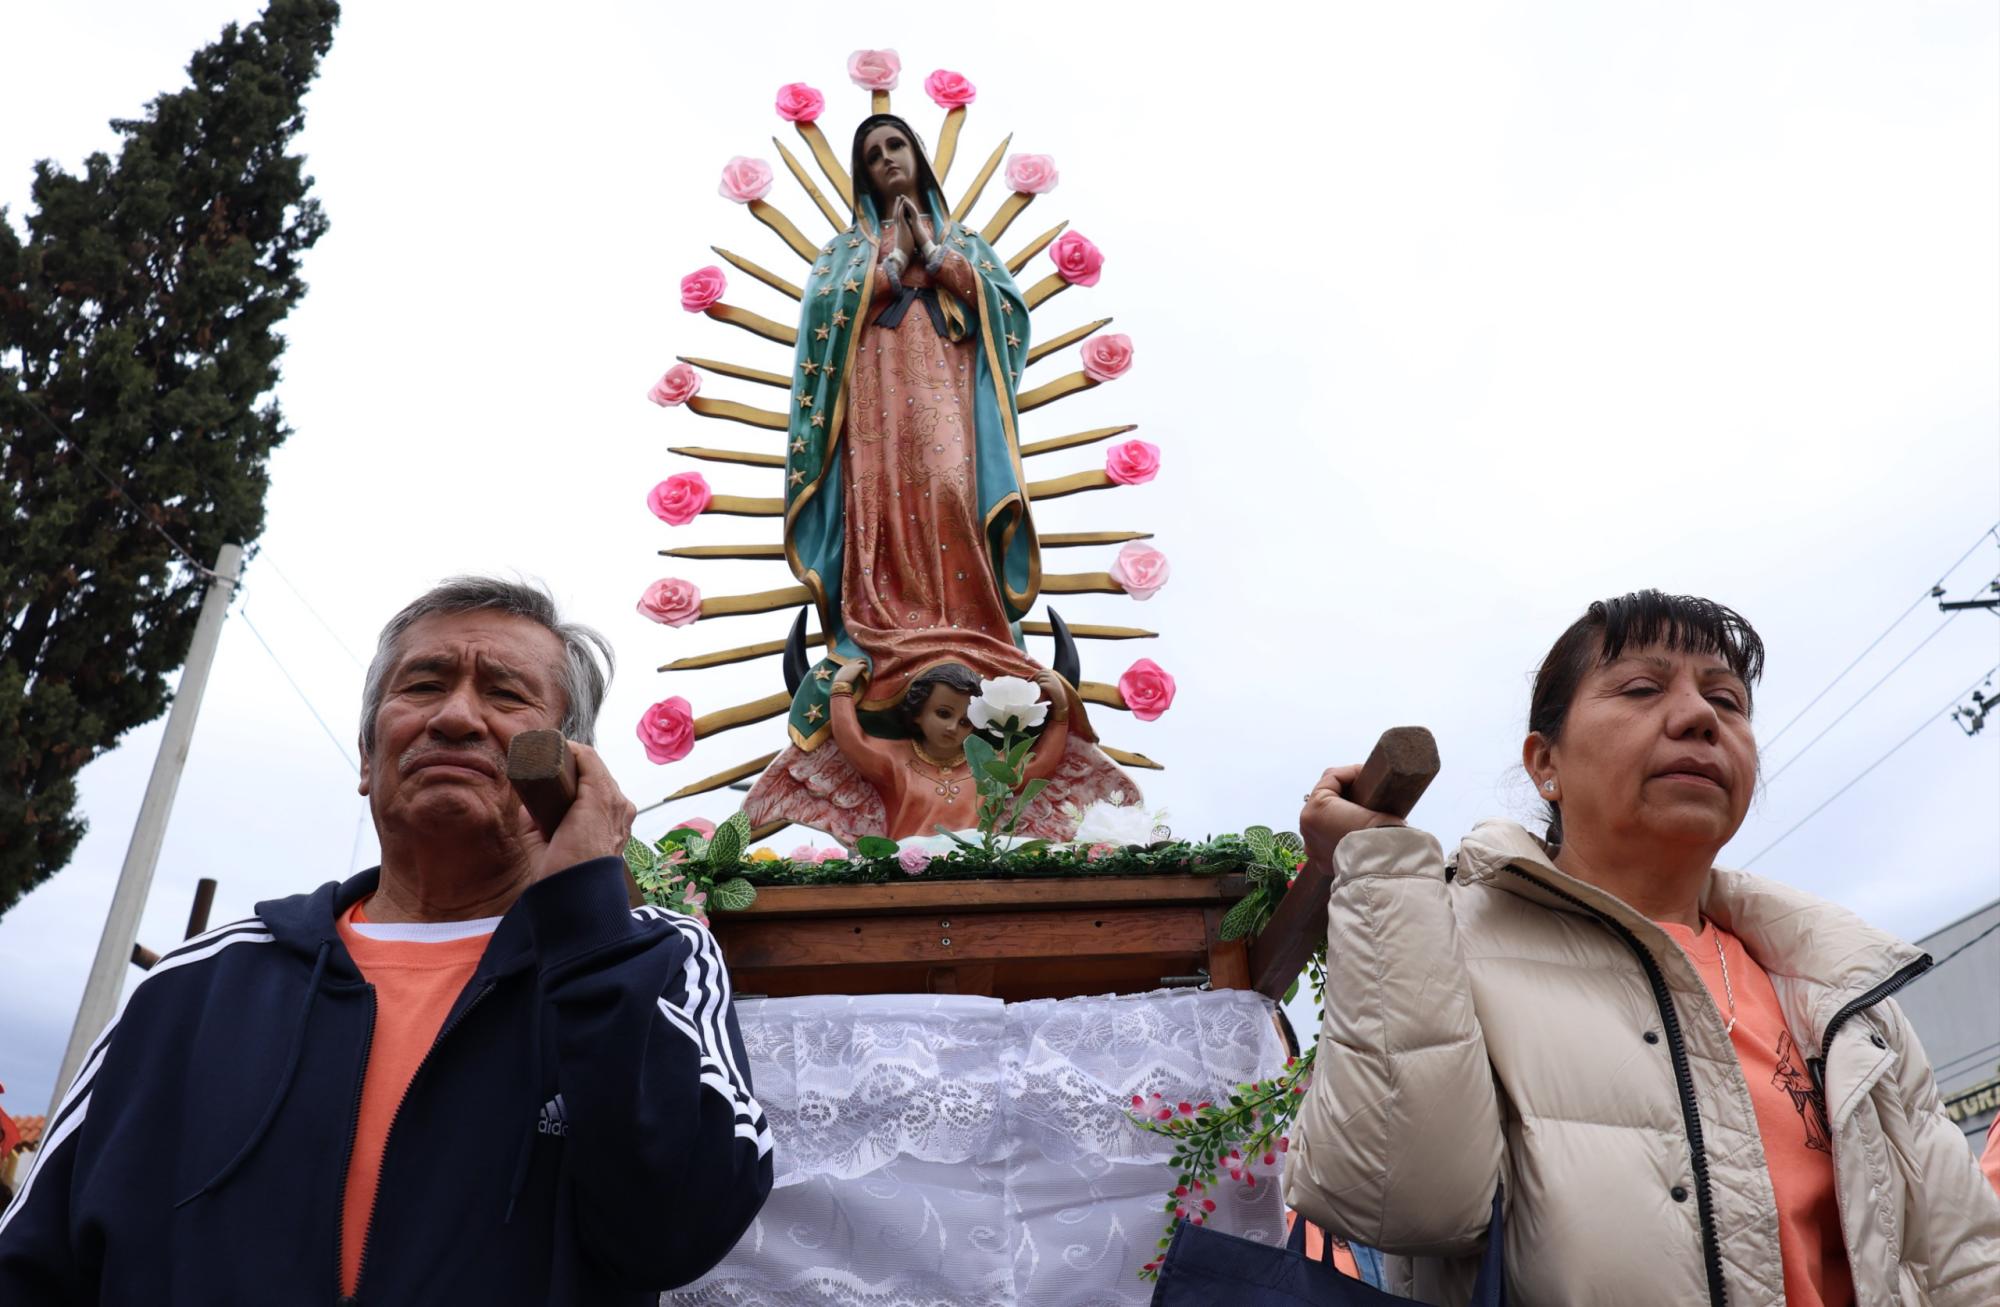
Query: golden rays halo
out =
(829, 199)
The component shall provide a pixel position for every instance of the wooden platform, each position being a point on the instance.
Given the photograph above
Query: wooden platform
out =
(1008, 939)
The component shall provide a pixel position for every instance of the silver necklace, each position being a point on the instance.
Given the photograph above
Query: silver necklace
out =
(1728, 990)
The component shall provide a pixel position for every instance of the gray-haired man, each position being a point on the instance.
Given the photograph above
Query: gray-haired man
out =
(469, 1075)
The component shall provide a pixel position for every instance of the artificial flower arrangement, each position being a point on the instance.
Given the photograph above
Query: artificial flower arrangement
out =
(698, 868)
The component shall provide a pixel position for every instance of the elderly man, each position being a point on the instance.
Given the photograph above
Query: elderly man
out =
(470, 1076)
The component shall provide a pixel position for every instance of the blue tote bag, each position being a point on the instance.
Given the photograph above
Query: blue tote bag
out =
(1207, 1268)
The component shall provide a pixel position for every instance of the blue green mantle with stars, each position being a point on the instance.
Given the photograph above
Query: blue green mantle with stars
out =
(841, 287)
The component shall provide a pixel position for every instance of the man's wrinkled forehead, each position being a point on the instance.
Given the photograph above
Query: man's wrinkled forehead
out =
(500, 646)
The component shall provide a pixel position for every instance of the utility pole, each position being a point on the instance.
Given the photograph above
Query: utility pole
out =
(121, 925)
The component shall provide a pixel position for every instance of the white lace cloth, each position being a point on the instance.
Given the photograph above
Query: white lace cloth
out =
(952, 1151)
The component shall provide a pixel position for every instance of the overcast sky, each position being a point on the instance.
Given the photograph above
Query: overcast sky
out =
(1448, 321)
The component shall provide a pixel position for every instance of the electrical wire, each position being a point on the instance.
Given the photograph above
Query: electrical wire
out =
(331, 737)
(264, 557)
(1863, 699)
(1948, 706)
(1929, 593)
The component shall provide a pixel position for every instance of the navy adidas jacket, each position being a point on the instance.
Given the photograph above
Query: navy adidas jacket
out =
(582, 1131)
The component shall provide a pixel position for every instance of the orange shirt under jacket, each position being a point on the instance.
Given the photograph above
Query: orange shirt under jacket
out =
(1798, 1146)
(418, 972)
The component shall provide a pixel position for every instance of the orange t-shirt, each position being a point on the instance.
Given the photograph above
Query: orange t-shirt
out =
(418, 972)
(1989, 1161)
(1798, 1145)
(1343, 1260)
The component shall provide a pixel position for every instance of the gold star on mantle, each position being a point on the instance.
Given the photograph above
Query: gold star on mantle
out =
(809, 367)
(986, 265)
(1013, 341)
(826, 290)
(819, 419)
(799, 445)
(821, 674)
(798, 478)
(850, 286)
(813, 713)
(819, 332)
(805, 401)
(839, 318)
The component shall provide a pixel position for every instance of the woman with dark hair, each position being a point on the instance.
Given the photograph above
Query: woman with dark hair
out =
(1693, 1084)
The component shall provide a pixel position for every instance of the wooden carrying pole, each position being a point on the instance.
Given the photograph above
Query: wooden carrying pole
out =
(128, 902)
(1397, 773)
(543, 772)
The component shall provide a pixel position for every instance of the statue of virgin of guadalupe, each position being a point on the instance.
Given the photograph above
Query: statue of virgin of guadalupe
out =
(906, 514)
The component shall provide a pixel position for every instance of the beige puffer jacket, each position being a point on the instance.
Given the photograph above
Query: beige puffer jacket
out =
(1495, 1028)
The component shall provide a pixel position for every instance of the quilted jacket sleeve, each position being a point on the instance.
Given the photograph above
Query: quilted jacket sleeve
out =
(1955, 1238)
(1398, 1144)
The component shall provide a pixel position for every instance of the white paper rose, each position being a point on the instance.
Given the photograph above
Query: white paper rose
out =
(1110, 823)
(1004, 700)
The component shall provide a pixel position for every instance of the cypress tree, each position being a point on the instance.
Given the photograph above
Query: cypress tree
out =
(138, 351)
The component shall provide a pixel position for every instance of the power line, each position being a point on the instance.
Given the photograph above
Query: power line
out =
(1968, 944)
(264, 555)
(331, 737)
(1863, 699)
(1948, 706)
(1931, 593)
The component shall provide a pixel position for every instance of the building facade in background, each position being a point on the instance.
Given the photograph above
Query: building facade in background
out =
(1956, 1010)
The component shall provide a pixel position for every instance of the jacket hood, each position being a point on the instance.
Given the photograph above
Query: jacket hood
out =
(1790, 933)
(304, 923)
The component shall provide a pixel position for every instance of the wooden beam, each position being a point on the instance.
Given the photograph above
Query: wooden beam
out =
(722, 778)
(1055, 540)
(1126, 758)
(743, 714)
(1034, 247)
(1069, 485)
(740, 372)
(971, 197)
(823, 154)
(761, 273)
(767, 213)
(764, 601)
(1049, 392)
(878, 102)
(1099, 693)
(947, 146)
(742, 456)
(818, 198)
(730, 410)
(1036, 353)
(740, 654)
(1399, 769)
(754, 323)
(749, 552)
(921, 897)
(1010, 208)
(1045, 289)
(1080, 583)
(1085, 631)
(745, 506)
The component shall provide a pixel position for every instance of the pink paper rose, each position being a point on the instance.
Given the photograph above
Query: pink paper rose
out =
(705, 829)
(805, 855)
(1106, 358)
(1077, 260)
(799, 103)
(1032, 174)
(835, 854)
(1133, 463)
(667, 730)
(702, 289)
(875, 70)
(1140, 568)
(913, 861)
(680, 499)
(1147, 689)
(949, 90)
(677, 385)
(674, 602)
(744, 180)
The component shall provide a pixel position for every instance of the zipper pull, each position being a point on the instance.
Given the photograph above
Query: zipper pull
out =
(1816, 1068)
